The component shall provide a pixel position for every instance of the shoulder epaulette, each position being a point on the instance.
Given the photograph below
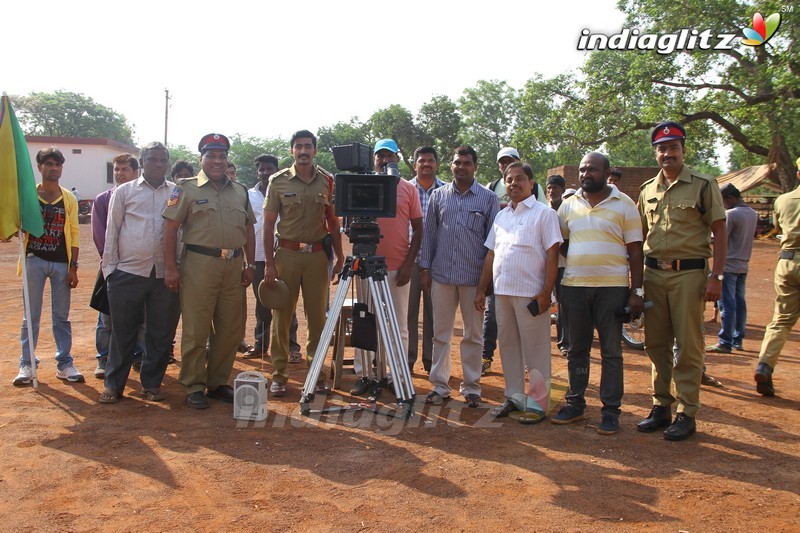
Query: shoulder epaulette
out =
(646, 183)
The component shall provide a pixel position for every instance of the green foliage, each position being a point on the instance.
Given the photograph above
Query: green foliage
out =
(68, 114)
(245, 149)
(489, 115)
(439, 120)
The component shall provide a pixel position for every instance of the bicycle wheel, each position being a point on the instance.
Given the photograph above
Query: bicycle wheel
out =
(633, 333)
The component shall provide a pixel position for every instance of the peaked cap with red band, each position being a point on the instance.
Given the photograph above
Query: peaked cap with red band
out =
(213, 141)
(667, 131)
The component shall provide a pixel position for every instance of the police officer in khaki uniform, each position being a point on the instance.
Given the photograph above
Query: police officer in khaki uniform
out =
(787, 287)
(678, 207)
(217, 221)
(302, 195)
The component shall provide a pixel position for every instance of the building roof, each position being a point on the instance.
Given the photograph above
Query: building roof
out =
(748, 178)
(96, 141)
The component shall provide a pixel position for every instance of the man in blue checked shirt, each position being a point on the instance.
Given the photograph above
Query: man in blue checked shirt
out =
(460, 215)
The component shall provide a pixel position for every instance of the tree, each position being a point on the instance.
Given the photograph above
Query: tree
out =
(397, 122)
(68, 114)
(439, 123)
(747, 96)
(245, 149)
(489, 116)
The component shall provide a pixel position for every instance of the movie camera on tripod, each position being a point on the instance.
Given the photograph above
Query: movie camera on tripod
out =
(362, 197)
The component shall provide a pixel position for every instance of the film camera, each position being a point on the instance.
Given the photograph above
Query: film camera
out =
(363, 196)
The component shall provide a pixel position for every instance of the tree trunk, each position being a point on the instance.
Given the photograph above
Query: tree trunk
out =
(781, 166)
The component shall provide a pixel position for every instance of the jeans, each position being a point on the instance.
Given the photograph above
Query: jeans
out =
(589, 308)
(102, 337)
(733, 309)
(38, 271)
(489, 329)
(134, 299)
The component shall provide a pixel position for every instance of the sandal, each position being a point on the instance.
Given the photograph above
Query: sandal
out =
(255, 352)
(295, 357)
(434, 398)
(153, 395)
(109, 396)
(531, 416)
(472, 400)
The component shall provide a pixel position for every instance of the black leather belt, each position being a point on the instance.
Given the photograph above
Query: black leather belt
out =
(788, 254)
(675, 264)
(222, 253)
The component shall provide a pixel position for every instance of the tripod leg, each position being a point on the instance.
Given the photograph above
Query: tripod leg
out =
(324, 343)
(402, 372)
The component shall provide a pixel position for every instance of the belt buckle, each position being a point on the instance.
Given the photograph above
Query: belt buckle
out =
(665, 265)
(304, 247)
(226, 253)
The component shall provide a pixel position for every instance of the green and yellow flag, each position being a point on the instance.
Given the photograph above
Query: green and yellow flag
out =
(19, 201)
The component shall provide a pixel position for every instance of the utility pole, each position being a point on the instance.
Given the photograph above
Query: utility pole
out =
(166, 114)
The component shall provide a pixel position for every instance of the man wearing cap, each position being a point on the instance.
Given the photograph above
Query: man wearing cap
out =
(302, 195)
(399, 251)
(555, 194)
(787, 288)
(217, 222)
(740, 224)
(680, 210)
(459, 218)
(426, 165)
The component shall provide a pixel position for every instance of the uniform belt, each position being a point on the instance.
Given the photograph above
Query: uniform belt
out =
(788, 254)
(675, 264)
(222, 253)
(303, 247)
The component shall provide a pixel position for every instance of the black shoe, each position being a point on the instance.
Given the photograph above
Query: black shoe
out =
(659, 417)
(360, 387)
(764, 380)
(223, 392)
(683, 428)
(197, 400)
(609, 424)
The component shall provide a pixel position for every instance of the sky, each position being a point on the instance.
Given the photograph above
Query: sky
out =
(267, 69)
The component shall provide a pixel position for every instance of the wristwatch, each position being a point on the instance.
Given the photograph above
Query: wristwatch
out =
(718, 277)
(73, 264)
(248, 265)
(639, 292)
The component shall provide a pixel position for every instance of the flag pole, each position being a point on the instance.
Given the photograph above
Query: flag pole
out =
(27, 300)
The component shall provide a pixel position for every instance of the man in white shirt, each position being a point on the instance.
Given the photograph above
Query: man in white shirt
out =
(522, 262)
(134, 267)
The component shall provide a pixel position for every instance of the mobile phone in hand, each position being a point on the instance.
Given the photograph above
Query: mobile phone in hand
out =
(533, 307)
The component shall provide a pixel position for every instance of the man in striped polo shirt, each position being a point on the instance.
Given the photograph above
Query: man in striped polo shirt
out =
(603, 243)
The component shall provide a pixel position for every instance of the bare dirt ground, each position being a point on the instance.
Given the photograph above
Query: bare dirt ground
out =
(71, 464)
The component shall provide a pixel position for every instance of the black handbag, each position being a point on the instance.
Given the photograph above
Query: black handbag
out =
(99, 300)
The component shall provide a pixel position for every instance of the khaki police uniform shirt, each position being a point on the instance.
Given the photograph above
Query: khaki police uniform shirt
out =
(300, 205)
(787, 216)
(671, 215)
(211, 217)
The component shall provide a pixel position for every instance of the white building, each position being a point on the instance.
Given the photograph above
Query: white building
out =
(88, 165)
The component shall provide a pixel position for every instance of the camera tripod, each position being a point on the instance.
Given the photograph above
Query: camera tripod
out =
(370, 272)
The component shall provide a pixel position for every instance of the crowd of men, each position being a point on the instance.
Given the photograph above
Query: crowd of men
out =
(189, 247)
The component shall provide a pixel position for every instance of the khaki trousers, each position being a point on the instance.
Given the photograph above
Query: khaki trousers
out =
(211, 289)
(676, 316)
(787, 310)
(307, 272)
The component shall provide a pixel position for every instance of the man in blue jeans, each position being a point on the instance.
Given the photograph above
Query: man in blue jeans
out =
(741, 226)
(54, 255)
